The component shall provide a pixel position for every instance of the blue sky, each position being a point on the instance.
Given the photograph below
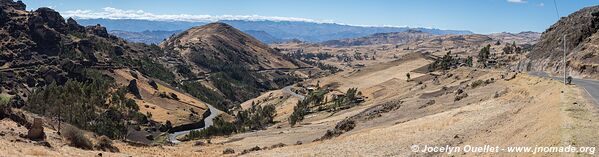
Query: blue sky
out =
(479, 16)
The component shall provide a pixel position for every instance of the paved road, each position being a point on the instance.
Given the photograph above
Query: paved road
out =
(208, 121)
(591, 86)
(288, 91)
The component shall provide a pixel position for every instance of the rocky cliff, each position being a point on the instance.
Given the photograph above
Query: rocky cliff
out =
(582, 40)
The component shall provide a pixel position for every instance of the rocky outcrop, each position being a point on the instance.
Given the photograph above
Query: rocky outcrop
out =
(18, 5)
(98, 30)
(74, 26)
(133, 89)
(36, 132)
(581, 36)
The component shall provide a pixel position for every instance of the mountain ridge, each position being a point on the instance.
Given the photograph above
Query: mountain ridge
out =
(285, 30)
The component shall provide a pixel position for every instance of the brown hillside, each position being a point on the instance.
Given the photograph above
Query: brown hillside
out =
(217, 45)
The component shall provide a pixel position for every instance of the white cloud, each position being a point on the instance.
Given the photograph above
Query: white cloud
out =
(541, 4)
(114, 13)
(517, 1)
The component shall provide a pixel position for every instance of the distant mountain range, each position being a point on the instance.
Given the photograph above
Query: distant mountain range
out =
(380, 38)
(266, 31)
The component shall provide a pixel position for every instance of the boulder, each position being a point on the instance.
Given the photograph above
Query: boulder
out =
(153, 84)
(98, 30)
(46, 39)
(74, 26)
(119, 51)
(228, 151)
(17, 102)
(52, 19)
(19, 5)
(36, 132)
(133, 89)
(3, 18)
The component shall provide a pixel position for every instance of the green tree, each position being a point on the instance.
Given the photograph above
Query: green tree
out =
(469, 61)
(484, 54)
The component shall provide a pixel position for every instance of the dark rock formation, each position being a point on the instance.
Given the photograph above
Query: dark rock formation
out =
(153, 84)
(52, 19)
(74, 26)
(98, 30)
(134, 89)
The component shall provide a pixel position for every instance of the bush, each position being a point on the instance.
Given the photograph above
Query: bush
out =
(477, 83)
(105, 144)
(76, 137)
(228, 151)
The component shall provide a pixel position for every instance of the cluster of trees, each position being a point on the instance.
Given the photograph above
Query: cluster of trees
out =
(220, 127)
(302, 108)
(299, 54)
(344, 57)
(255, 118)
(351, 98)
(512, 48)
(445, 63)
(88, 104)
(318, 99)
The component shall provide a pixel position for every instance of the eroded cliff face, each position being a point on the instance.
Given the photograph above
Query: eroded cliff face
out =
(582, 40)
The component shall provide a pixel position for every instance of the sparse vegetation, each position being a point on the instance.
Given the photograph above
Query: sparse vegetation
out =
(85, 104)
(105, 144)
(76, 137)
(317, 99)
(207, 95)
(477, 83)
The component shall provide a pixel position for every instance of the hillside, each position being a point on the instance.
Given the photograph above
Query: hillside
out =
(218, 45)
(128, 90)
(110, 87)
(381, 38)
(236, 65)
(582, 38)
(147, 37)
(263, 36)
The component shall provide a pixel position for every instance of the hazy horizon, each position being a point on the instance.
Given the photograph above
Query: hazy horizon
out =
(484, 17)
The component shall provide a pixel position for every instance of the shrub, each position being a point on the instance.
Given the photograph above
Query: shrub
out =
(76, 137)
(105, 144)
(228, 151)
(477, 83)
